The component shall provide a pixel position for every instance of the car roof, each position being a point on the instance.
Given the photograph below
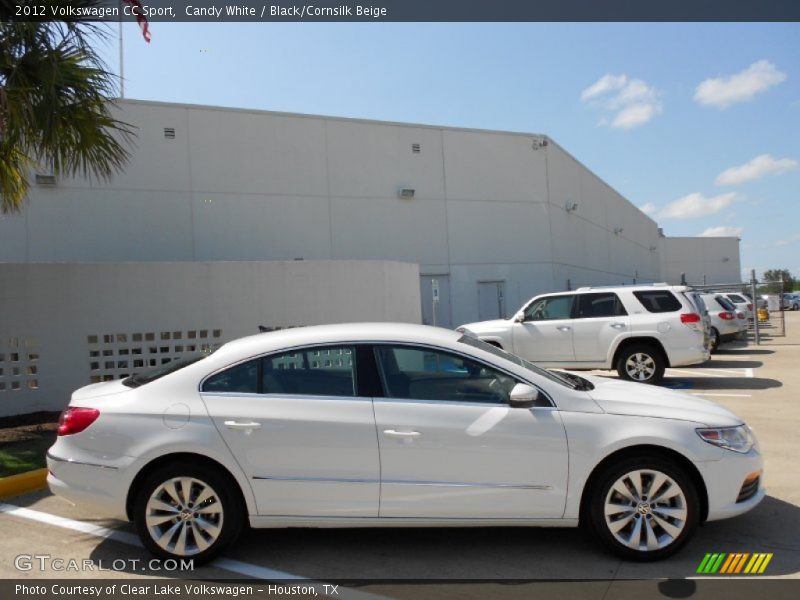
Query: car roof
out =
(339, 333)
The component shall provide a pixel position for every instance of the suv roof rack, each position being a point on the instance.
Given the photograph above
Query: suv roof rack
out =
(625, 285)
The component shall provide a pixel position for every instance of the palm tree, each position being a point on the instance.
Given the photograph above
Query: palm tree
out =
(55, 108)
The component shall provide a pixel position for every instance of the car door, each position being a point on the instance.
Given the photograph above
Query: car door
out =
(452, 447)
(297, 427)
(545, 333)
(600, 319)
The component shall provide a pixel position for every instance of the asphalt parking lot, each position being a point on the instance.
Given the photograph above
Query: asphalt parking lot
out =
(761, 384)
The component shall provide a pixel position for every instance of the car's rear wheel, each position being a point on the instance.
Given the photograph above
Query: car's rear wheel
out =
(187, 511)
(641, 363)
(714, 339)
(644, 508)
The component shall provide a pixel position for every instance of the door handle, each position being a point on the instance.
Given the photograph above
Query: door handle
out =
(564, 328)
(401, 434)
(618, 325)
(239, 426)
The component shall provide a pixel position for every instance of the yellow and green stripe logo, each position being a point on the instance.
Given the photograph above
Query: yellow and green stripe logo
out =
(734, 563)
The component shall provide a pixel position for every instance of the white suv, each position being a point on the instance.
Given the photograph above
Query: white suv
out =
(638, 330)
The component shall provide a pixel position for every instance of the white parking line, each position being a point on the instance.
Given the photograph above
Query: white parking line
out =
(693, 373)
(236, 566)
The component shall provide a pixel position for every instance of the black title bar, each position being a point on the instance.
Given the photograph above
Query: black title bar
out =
(404, 10)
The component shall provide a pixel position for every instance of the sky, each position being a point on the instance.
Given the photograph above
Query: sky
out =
(697, 124)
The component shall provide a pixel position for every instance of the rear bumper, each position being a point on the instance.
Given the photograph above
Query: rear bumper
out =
(690, 355)
(93, 484)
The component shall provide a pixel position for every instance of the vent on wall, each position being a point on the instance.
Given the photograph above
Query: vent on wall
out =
(169, 133)
(45, 179)
(416, 148)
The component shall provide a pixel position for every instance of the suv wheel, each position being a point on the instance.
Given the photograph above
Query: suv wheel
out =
(187, 511)
(644, 508)
(641, 363)
(713, 336)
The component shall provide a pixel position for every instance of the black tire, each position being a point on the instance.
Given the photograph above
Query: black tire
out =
(231, 516)
(714, 339)
(651, 355)
(595, 510)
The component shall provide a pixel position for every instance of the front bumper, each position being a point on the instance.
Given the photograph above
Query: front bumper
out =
(724, 479)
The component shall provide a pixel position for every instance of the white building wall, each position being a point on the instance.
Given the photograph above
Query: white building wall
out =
(55, 317)
(251, 185)
(703, 259)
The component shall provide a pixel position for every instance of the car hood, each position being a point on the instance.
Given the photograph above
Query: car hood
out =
(483, 327)
(642, 400)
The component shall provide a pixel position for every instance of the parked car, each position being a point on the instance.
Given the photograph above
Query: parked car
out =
(791, 301)
(638, 330)
(726, 326)
(742, 302)
(376, 425)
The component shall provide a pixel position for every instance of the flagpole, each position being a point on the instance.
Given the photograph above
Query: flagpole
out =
(121, 58)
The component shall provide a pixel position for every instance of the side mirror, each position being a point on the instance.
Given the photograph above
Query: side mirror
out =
(523, 396)
(519, 317)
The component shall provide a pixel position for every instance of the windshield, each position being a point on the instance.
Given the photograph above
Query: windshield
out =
(144, 377)
(569, 380)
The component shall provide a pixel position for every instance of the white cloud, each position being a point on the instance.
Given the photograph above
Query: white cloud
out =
(605, 84)
(648, 208)
(723, 231)
(697, 205)
(790, 240)
(721, 92)
(759, 167)
(628, 103)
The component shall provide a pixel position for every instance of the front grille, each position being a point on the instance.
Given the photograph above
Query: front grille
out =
(749, 489)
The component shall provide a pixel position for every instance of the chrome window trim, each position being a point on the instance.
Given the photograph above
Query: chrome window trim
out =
(300, 347)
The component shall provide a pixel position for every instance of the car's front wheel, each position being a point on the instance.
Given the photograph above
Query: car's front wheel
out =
(644, 508)
(187, 511)
(641, 363)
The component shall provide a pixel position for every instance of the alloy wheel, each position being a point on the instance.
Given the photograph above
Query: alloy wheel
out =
(184, 516)
(646, 510)
(640, 366)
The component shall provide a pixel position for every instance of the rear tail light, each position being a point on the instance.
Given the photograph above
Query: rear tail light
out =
(750, 307)
(740, 315)
(690, 318)
(726, 316)
(75, 419)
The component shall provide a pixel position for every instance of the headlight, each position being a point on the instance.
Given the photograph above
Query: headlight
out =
(738, 439)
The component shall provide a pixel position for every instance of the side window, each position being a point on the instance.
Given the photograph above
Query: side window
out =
(550, 309)
(423, 374)
(600, 305)
(242, 379)
(320, 371)
(736, 298)
(658, 301)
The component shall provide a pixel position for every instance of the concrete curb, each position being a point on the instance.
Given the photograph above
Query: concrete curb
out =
(22, 483)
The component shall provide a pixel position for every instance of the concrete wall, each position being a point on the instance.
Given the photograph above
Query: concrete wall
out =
(63, 326)
(251, 185)
(703, 259)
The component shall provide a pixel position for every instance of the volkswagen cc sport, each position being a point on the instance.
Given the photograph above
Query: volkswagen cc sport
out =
(387, 425)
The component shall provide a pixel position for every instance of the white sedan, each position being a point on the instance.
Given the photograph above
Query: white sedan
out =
(389, 425)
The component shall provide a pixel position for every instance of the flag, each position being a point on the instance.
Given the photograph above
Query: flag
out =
(138, 10)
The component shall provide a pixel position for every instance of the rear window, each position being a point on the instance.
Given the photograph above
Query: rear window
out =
(658, 301)
(145, 377)
(725, 303)
(737, 298)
